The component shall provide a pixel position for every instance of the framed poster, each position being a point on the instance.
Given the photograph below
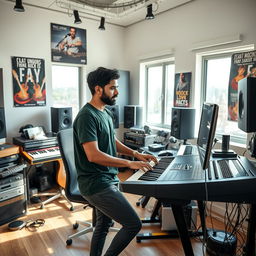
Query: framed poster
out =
(242, 65)
(29, 87)
(182, 89)
(68, 44)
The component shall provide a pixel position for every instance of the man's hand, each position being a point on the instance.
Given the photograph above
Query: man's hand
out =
(136, 165)
(145, 157)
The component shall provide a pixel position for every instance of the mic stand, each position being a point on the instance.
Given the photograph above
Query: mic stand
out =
(57, 45)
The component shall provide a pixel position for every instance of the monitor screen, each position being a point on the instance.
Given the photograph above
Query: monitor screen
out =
(206, 132)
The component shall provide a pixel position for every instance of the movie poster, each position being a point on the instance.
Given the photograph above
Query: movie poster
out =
(29, 89)
(182, 89)
(68, 44)
(242, 65)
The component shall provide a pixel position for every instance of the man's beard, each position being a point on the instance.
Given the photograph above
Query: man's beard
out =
(107, 100)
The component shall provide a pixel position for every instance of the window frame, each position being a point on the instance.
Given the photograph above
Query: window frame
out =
(79, 76)
(164, 65)
(235, 138)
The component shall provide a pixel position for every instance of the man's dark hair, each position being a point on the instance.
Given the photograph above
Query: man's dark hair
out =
(101, 76)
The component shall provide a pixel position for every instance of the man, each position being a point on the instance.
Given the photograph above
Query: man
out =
(182, 85)
(96, 149)
(71, 43)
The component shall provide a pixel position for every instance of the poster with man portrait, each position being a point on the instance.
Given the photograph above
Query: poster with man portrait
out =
(242, 65)
(68, 44)
(29, 89)
(182, 89)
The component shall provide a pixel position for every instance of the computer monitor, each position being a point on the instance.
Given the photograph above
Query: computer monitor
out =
(206, 132)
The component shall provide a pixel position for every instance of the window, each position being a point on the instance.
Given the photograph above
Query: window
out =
(216, 70)
(65, 87)
(159, 93)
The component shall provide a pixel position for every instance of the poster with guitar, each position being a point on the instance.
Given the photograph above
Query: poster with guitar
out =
(68, 44)
(29, 89)
(243, 64)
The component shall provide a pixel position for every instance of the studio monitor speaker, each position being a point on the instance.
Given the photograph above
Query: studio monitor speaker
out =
(114, 114)
(132, 116)
(183, 123)
(61, 118)
(247, 104)
(2, 124)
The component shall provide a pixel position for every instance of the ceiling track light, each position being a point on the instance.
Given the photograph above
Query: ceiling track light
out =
(77, 18)
(18, 6)
(150, 14)
(102, 24)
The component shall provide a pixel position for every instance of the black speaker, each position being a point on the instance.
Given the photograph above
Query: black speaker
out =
(132, 116)
(12, 208)
(115, 114)
(2, 124)
(183, 123)
(61, 118)
(247, 104)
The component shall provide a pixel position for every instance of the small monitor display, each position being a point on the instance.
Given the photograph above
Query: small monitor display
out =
(207, 132)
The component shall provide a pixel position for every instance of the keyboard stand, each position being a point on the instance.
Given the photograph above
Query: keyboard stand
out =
(143, 201)
(171, 233)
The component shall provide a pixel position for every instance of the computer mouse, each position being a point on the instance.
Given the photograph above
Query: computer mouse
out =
(165, 153)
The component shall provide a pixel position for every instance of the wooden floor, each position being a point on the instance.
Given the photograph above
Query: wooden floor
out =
(50, 239)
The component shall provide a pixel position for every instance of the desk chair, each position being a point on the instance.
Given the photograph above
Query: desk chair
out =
(65, 140)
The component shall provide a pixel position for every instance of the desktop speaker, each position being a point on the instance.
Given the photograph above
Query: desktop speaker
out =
(61, 118)
(132, 116)
(183, 123)
(247, 104)
(115, 114)
(2, 124)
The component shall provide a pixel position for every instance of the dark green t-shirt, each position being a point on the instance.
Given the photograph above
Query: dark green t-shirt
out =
(92, 124)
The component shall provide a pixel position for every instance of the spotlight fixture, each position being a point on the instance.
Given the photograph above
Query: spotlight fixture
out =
(102, 23)
(18, 6)
(77, 18)
(150, 14)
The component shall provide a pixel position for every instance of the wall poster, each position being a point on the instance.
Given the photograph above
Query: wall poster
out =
(182, 89)
(242, 65)
(29, 87)
(68, 44)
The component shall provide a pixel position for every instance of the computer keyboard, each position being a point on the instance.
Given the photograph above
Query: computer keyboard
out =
(11, 170)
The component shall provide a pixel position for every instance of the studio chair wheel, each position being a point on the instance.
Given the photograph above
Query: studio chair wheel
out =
(71, 208)
(75, 226)
(138, 203)
(42, 206)
(69, 242)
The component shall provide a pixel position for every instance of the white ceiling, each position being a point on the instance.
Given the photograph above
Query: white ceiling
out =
(119, 16)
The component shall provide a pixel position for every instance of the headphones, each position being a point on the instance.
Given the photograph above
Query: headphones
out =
(24, 134)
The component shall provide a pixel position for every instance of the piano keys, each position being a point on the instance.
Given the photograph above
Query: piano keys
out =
(42, 155)
(154, 174)
(184, 179)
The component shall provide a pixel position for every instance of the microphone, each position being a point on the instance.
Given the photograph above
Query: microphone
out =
(68, 34)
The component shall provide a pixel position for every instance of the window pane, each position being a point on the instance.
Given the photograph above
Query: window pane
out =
(169, 93)
(65, 87)
(217, 92)
(154, 99)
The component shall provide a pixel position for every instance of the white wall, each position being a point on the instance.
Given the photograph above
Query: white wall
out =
(177, 30)
(28, 35)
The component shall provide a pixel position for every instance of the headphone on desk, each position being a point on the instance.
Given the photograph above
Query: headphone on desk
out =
(23, 131)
